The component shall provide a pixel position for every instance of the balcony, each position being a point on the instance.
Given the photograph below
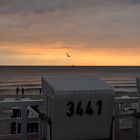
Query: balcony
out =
(25, 105)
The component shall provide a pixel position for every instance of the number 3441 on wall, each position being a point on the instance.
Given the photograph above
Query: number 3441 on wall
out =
(77, 109)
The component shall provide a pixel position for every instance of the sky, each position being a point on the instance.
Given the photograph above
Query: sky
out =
(92, 32)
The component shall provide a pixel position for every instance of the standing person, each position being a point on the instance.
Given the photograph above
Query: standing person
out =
(22, 92)
(40, 91)
(17, 90)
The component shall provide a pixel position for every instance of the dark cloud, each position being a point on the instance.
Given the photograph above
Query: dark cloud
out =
(42, 6)
(91, 21)
(133, 2)
(5, 3)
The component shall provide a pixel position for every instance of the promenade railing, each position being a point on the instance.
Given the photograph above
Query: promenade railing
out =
(24, 103)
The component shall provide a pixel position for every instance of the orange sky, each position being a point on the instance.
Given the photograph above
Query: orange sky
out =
(55, 54)
(93, 32)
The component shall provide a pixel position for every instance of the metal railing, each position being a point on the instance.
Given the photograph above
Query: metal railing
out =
(117, 115)
(23, 103)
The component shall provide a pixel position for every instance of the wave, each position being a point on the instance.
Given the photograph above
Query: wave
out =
(121, 78)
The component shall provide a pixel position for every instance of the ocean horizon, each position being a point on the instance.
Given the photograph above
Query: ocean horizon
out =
(122, 78)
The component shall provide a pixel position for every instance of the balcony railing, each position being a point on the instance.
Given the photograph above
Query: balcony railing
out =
(24, 103)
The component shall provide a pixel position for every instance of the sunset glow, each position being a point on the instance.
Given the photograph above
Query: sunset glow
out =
(55, 54)
(92, 32)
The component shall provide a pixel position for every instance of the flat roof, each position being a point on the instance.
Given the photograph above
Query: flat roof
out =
(75, 83)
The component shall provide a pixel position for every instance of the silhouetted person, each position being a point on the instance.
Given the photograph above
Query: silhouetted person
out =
(17, 91)
(22, 92)
(40, 91)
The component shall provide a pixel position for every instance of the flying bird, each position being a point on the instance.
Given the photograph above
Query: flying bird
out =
(67, 55)
(69, 58)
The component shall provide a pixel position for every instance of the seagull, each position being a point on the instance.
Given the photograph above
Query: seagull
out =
(67, 55)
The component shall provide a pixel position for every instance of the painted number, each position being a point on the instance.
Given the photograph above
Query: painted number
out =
(79, 110)
(70, 109)
(99, 104)
(89, 109)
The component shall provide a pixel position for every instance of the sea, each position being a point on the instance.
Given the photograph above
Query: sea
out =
(122, 78)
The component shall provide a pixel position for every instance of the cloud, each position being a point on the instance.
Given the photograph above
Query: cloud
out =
(5, 2)
(93, 22)
(133, 2)
(49, 6)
